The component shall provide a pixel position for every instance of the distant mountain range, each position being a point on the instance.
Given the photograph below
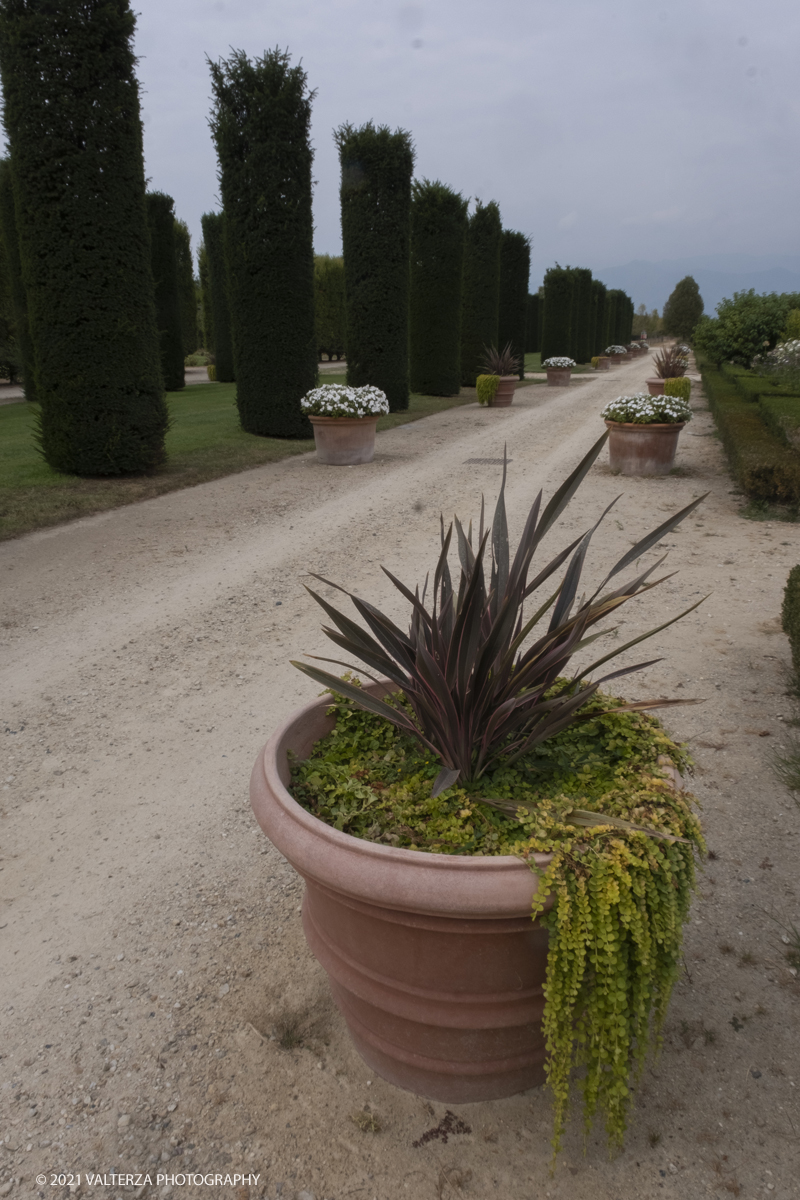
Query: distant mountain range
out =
(717, 276)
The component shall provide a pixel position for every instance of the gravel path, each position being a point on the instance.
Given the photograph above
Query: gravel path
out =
(151, 936)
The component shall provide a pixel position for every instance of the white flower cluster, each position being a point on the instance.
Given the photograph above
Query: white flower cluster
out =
(615, 350)
(642, 409)
(559, 362)
(645, 345)
(783, 360)
(338, 400)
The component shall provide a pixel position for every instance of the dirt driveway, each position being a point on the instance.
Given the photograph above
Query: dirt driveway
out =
(153, 961)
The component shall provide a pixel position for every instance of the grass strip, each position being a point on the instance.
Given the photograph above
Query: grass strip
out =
(205, 442)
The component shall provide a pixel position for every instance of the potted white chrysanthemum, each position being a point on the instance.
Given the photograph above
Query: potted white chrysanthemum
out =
(559, 370)
(616, 353)
(344, 420)
(643, 432)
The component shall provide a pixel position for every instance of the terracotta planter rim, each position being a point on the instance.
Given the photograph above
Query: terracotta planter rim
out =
(320, 420)
(659, 426)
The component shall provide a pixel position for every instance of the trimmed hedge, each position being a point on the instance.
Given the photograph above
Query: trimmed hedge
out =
(763, 466)
(187, 291)
(598, 311)
(71, 112)
(781, 415)
(438, 230)
(161, 220)
(480, 310)
(532, 325)
(582, 297)
(221, 339)
(375, 193)
(515, 269)
(260, 123)
(678, 386)
(557, 325)
(205, 299)
(790, 614)
(330, 311)
(18, 299)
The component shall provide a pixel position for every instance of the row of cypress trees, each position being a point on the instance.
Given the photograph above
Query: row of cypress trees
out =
(578, 316)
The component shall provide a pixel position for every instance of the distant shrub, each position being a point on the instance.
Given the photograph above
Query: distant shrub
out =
(486, 387)
(680, 386)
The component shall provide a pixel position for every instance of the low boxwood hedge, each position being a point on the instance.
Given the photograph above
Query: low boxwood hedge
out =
(781, 415)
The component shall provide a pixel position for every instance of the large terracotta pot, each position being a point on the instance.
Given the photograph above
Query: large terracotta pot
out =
(505, 391)
(655, 387)
(642, 449)
(344, 441)
(558, 376)
(603, 363)
(616, 359)
(432, 959)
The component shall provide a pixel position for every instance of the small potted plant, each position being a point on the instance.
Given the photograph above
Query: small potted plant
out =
(559, 371)
(615, 354)
(344, 420)
(486, 387)
(498, 858)
(643, 432)
(670, 363)
(505, 365)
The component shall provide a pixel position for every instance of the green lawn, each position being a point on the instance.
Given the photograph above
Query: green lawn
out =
(533, 362)
(204, 442)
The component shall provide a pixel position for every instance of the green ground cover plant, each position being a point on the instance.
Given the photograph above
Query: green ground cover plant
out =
(205, 441)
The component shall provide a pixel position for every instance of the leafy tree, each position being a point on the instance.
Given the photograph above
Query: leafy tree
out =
(683, 309)
(375, 193)
(557, 328)
(746, 325)
(260, 123)
(161, 219)
(71, 113)
(218, 308)
(515, 269)
(480, 307)
(330, 313)
(438, 230)
(186, 288)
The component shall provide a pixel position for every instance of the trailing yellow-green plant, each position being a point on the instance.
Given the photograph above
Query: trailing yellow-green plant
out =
(212, 372)
(595, 361)
(678, 386)
(486, 386)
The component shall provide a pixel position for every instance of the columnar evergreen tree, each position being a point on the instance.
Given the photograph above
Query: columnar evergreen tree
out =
(480, 308)
(19, 330)
(683, 309)
(438, 230)
(161, 219)
(581, 318)
(206, 322)
(557, 326)
(260, 123)
(71, 112)
(187, 288)
(598, 309)
(217, 291)
(515, 269)
(377, 166)
(330, 314)
(610, 329)
(532, 324)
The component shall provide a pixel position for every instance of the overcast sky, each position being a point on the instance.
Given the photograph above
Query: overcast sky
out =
(607, 131)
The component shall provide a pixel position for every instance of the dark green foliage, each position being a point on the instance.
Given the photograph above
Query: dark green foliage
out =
(618, 324)
(781, 415)
(330, 311)
(532, 341)
(557, 328)
(17, 348)
(71, 112)
(260, 123)
(187, 288)
(480, 308)
(218, 306)
(745, 326)
(161, 219)
(683, 309)
(206, 321)
(438, 230)
(515, 269)
(597, 314)
(761, 464)
(790, 615)
(375, 192)
(581, 314)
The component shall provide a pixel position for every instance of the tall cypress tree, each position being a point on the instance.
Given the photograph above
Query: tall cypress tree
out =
(16, 288)
(532, 324)
(187, 292)
(260, 123)
(377, 166)
(205, 298)
(480, 309)
(557, 326)
(438, 228)
(683, 309)
(161, 219)
(219, 304)
(330, 315)
(515, 269)
(71, 112)
(598, 314)
(582, 305)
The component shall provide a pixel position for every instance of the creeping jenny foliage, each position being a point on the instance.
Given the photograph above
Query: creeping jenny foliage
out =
(376, 223)
(438, 229)
(71, 114)
(260, 123)
(620, 897)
